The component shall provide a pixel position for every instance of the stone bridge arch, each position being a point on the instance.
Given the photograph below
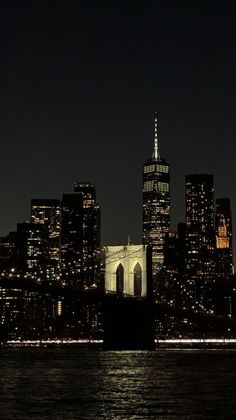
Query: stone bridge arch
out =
(137, 280)
(120, 280)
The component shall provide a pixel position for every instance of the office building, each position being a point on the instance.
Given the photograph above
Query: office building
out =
(8, 253)
(200, 238)
(32, 249)
(156, 203)
(80, 236)
(224, 247)
(47, 212)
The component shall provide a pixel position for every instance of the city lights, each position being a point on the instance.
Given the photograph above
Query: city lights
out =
(57, 282)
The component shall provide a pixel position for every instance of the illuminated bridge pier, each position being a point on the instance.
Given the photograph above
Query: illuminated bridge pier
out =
(128, 308)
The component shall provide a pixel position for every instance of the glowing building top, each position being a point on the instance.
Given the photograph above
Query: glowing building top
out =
(156, 152)
(156, 202)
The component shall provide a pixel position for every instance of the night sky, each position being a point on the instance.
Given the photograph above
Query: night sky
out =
(80, 81)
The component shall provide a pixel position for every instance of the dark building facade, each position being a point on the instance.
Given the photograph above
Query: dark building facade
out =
(171, 286)
(200, 238)
(224, 295)
(156, 203)
(168, 284)
(47, 212)
(32, 249)
(8, 253)
(80, 236)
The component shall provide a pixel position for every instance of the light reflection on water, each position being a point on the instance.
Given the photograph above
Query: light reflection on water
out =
(68, 384)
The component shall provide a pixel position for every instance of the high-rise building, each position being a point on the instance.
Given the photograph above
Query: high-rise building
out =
(156, 203)
(32, 249)
(80, 236)
(47, 212)
(171, 286)
(223, 229)
(8, 254)
(168, 279)
(200, 237)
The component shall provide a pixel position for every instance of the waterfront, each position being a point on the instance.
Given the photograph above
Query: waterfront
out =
(82, 384)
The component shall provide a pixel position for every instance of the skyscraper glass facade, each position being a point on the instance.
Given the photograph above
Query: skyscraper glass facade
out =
(200, 236)
(80, 236)
(156, 203)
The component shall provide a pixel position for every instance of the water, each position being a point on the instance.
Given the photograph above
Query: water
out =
(68, 384)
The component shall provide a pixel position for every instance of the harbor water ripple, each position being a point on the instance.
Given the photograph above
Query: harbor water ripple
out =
(69, 384)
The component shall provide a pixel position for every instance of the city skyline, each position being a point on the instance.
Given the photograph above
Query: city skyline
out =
(118, 209)
(79, 88)
(154, 157)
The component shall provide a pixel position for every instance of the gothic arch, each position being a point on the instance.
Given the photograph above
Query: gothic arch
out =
(120, 280)
(137, 280)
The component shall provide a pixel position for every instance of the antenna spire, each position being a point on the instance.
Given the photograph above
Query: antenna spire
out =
(156, 153)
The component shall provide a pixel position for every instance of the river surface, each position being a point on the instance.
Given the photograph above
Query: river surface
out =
(68, 384)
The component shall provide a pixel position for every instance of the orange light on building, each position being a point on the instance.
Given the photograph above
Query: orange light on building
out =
(222, 237)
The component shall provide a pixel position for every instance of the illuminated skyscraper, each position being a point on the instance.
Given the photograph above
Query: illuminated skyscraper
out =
(47, 212)
(32, 249)
(80, 236)
(156, 203)
(200, 236)
(223, 228)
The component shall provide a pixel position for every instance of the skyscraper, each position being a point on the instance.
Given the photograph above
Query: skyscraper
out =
(223, 228)
(8, 253)
(200, 237)
(156, 203)
(32, 249)
(80, 236)
(47, 212)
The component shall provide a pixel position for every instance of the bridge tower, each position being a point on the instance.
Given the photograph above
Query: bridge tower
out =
(128, 307)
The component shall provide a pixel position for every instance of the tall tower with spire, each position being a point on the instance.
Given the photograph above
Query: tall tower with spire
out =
(156, 202)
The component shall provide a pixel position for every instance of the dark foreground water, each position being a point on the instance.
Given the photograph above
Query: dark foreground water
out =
(82, 384)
